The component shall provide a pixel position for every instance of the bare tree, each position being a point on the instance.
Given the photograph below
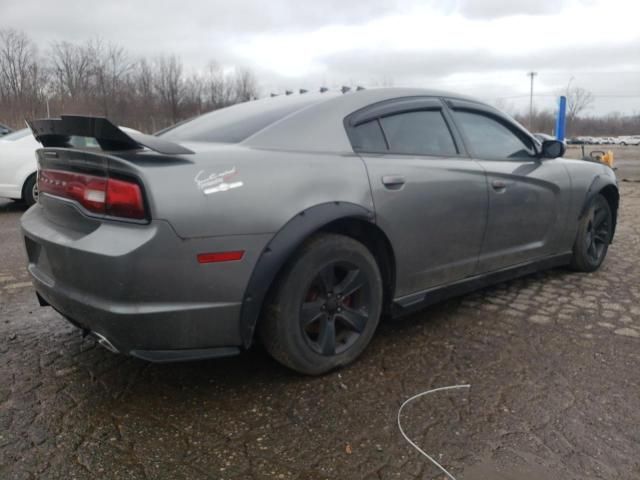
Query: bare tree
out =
(246, 86)
(110, 65)
(219, 88)
(15, 65)
(578, 100)
(20, 76)
(71, 68)
(169, 85)
(193, 94)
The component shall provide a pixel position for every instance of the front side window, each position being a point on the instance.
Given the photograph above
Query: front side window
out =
(419, 133)
(490, 138)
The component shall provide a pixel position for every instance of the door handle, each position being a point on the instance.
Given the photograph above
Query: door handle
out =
(498, 185)
(393, 182)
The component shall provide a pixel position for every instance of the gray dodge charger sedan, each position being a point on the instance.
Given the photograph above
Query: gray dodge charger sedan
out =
(300, 220)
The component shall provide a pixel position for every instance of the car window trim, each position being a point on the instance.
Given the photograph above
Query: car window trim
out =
(398, 106)
(393, 107)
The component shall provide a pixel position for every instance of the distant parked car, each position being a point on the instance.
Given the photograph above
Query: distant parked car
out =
(631, 140)
(18, 163)
(4, 130)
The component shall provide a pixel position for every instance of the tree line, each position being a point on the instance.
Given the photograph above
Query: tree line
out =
(578, 122)
(611, 125)
(100, 78)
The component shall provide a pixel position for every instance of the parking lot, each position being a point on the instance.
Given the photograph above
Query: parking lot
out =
(552, 360)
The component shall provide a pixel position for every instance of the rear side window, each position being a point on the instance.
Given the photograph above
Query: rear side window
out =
(490, 138)
(420, 133)
(368, 137)
(235, 124)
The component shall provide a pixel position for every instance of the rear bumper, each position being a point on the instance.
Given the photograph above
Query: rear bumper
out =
(140, 286)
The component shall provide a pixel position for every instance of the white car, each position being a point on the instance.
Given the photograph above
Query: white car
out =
(18, 164)
(631, 140)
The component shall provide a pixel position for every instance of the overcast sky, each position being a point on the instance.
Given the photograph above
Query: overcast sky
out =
(480, 47)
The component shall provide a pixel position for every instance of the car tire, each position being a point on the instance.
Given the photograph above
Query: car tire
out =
(325, 307)
(595, 229)
(30, 190)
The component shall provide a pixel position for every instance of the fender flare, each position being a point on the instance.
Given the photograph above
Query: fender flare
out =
(280, 248)
(597, 185)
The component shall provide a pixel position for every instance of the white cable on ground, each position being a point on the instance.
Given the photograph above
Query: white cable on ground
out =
(411, 442)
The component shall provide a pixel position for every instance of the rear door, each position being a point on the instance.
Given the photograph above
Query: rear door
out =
(528, 196)
(430, 198)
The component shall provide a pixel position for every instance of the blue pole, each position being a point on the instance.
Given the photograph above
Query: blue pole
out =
(561, 121)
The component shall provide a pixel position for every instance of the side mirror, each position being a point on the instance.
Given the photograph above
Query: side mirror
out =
(552, 149)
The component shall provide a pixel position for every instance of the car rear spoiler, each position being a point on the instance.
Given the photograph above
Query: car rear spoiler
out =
(56, 132)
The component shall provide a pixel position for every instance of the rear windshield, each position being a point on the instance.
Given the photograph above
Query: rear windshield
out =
(235, 124)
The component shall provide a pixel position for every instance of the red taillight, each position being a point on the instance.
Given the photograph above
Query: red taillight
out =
(124, 199)
(220, 256)
(100, 195)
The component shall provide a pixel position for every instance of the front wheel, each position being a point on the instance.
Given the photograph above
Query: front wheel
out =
(326, 306)
(594, 235)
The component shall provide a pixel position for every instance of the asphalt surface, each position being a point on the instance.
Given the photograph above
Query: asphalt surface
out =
(552, 360)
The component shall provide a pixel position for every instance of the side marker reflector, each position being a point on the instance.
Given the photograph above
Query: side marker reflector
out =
(220, 256)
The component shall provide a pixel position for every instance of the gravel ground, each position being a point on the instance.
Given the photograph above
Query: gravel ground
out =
(552, 360)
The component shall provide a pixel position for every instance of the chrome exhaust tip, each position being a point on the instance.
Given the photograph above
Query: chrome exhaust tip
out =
(104, 341)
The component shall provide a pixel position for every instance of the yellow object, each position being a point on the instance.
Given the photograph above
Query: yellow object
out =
(607, 158)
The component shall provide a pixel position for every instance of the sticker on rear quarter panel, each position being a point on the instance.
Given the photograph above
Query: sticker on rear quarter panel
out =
(217, 182)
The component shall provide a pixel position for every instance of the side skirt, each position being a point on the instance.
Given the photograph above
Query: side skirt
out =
(416, 301)
(167, 356)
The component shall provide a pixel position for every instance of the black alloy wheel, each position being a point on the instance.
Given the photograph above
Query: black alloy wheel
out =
(325, 307)
(595, 230)
(336, 307)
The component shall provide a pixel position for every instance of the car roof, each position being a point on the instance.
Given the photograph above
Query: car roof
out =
(319, 126)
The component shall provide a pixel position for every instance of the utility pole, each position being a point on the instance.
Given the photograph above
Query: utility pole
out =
(531, 74)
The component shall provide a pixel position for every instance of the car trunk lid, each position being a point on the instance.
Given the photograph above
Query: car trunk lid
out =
(80, 187)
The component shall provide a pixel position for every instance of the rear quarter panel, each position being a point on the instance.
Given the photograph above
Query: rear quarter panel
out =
(268, 189)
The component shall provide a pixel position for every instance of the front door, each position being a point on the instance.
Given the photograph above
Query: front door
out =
(528, 196)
